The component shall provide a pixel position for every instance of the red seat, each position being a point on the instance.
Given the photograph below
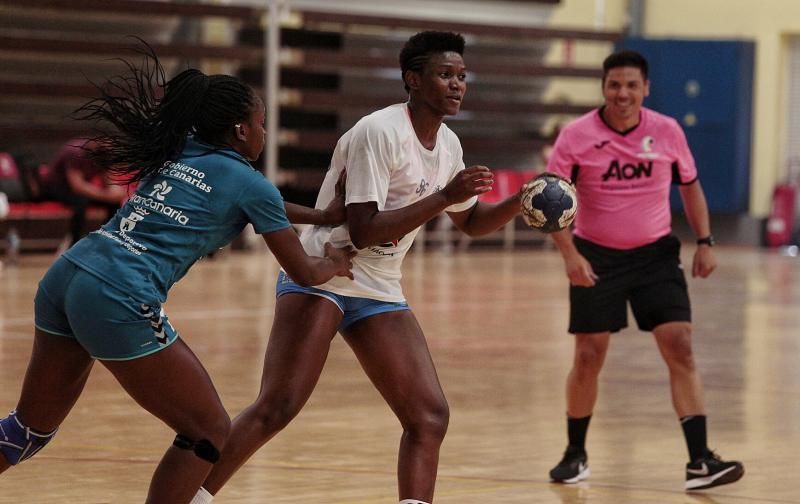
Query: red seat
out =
(39, 210)
(36, 223)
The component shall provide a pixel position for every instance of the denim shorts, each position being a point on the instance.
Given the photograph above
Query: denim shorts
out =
(107, 322)
(353, 308)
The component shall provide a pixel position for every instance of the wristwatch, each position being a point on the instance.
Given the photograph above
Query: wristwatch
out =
(708, 240)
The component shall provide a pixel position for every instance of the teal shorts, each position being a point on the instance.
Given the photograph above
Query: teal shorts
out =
(353, 308)
(108, 323)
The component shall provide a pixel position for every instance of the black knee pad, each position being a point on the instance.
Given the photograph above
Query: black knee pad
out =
(203, 448)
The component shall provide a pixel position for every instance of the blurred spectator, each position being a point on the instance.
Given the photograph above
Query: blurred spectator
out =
(12, 182)
(76, 181)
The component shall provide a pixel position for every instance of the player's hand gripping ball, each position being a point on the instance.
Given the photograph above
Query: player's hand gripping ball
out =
(548, 203)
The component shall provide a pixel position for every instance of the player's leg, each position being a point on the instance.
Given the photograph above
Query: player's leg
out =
(302, 331)
(705, 469)
(137, 343)
(661, 305)
(582, 380)
(54, 380)
(674, 340)
(391, 348)
(588, 359)
(595, 312)
(173, 385)
(57, 372)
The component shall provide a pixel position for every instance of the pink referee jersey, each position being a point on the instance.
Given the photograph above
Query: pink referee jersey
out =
(623, 179)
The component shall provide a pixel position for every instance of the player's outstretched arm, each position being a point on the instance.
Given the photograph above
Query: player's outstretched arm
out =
(332, 215)
(485, 218)
(304, 269)
(368, 226)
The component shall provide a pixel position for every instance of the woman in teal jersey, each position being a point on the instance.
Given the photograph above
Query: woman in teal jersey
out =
(187, 142)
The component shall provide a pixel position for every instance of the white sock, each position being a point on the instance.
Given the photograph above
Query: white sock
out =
(202, 497)
(412, 501)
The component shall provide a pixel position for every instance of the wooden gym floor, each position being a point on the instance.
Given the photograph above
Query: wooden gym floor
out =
(495, 322)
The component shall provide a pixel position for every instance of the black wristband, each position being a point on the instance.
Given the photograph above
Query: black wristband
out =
(708, 240)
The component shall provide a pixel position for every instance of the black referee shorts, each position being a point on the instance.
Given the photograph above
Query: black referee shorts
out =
(649, 277)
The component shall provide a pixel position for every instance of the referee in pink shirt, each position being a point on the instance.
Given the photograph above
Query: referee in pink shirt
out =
(622, 159)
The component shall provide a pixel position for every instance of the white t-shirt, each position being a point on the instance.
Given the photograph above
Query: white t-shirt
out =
(387, 164)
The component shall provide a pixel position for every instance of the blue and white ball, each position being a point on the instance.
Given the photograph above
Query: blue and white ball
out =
(549, 203)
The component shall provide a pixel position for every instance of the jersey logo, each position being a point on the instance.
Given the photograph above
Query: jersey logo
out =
(647, 148)
(127, 224)
(156, 317)
(423, 186)
(703, 471)
(161, 190)
(602, 144)
(386, 249)
(628, 171)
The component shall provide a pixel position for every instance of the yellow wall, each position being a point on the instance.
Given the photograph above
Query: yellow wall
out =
(581, 14)
(768, 22)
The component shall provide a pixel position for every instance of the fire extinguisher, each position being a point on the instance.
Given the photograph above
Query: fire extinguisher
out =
(780, 223)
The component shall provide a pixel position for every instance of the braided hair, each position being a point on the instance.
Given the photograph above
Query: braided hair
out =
(142, 119)
(419, 49)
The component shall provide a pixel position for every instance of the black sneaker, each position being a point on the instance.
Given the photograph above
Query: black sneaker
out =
(711, 471)
(572, 468)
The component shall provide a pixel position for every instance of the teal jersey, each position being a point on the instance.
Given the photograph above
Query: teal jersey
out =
(193, 206)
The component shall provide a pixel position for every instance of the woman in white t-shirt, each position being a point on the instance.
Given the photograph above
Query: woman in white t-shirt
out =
(404, 167)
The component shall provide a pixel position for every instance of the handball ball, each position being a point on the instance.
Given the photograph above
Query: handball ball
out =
(549, 203)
